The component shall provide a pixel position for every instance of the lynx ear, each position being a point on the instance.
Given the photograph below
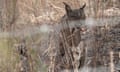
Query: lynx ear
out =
(83, 6)
(67, 7)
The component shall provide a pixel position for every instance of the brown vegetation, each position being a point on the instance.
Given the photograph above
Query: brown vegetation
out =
(84, 38)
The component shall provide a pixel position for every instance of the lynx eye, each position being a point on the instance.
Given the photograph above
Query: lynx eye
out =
(75, 14)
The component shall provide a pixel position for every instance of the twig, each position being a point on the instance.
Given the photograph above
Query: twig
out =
(111, 61)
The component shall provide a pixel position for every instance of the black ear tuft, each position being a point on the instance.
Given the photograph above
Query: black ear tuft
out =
(67, 7)
(83, 6)
(65, 4)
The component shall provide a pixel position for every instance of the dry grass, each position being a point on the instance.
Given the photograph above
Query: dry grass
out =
(21, 14)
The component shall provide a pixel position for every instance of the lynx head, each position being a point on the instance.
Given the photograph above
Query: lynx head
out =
(74, 14)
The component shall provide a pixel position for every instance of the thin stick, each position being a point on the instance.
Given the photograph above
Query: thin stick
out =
(111, 61)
